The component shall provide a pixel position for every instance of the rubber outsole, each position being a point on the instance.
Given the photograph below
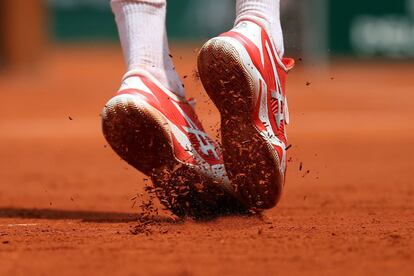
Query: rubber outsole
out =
(137, 135)
(249, 158)
(142, 138)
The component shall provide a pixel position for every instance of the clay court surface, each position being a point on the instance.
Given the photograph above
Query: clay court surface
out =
(65, 197)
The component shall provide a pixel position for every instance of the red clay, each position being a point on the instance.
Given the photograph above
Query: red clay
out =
(65, 203)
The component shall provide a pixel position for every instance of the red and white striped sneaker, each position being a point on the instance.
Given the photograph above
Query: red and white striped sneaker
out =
(245, 78)
(159, 134)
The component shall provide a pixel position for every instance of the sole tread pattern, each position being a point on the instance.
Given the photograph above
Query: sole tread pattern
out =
(141, 139)
(247, 155)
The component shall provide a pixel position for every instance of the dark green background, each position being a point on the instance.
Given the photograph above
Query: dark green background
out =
(200, 19)
(342, 13)
(186, 19)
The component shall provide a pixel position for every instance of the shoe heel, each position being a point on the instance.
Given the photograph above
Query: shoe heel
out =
(136, 134)
(224, 77)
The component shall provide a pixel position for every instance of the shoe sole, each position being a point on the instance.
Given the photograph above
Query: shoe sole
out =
(141, 137)
(250, 160)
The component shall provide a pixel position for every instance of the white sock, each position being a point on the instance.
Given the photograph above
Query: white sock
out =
(143, 35)
(266, 11)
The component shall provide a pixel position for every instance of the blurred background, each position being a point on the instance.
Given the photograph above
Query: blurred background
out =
(348, 204)
(314, 29)
(60, 61)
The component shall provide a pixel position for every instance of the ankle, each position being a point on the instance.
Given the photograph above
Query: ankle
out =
(265, 13)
